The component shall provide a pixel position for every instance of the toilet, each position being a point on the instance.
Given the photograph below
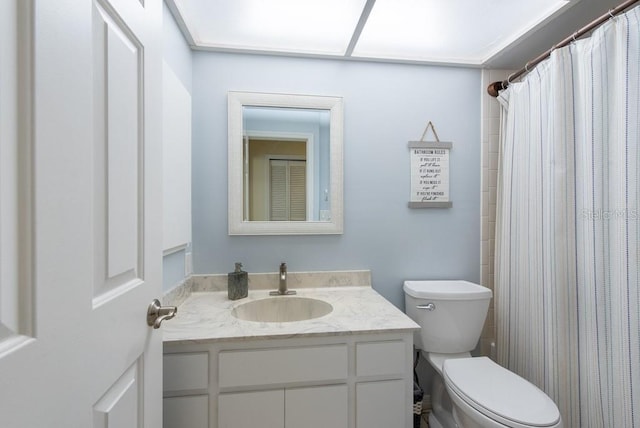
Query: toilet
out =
(470, 392)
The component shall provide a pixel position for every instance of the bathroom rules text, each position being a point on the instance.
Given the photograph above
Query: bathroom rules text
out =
(429, 175)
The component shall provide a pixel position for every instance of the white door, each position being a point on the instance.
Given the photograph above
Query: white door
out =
(80, 184)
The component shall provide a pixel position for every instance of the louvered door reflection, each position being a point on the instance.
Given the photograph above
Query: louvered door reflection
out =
(287, 190)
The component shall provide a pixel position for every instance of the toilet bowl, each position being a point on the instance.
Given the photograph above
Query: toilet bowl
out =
(487, 395)
(470, 392)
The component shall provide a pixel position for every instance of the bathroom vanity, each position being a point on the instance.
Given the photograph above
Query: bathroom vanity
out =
(350, 368)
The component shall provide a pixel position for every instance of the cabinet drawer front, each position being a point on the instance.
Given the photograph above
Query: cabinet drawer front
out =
(186, 371)
(278, 366)
(381, 358)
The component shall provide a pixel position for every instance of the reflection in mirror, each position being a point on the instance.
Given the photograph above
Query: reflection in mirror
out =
(285, 164)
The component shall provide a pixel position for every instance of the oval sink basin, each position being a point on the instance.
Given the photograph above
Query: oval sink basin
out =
(282, 309)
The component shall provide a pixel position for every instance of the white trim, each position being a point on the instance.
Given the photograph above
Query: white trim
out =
(175, 249)
(245, 178)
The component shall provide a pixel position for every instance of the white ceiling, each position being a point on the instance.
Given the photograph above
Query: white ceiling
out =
(494, 33)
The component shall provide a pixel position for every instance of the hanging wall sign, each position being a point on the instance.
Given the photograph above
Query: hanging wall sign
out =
(429, 173)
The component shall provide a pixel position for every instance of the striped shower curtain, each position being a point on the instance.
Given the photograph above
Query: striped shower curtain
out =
(567, 279)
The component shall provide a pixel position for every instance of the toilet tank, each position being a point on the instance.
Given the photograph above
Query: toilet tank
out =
(451, 314)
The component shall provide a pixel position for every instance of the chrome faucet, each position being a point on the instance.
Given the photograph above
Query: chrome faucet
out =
(282, 285)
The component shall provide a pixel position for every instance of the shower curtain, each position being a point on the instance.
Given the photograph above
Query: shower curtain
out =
(568, 226)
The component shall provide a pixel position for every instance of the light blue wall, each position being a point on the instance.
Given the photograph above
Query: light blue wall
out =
(385, 106)
(175, 50)
(177, 55)
(173, 270)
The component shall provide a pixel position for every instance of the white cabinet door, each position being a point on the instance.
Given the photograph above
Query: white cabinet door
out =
(313, 407)
(191, 411)
(317, 407)
(264, 409)
(381, 404)
(80, 192)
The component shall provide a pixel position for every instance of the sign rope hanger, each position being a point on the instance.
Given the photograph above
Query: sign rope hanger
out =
(433, 129)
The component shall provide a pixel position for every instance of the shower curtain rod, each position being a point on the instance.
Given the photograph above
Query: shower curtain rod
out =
(495, 87)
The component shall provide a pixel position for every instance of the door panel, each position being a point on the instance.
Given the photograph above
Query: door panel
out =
(16, 306)
(123, 146)
(119, 406)
(81, 193)
(118, 146)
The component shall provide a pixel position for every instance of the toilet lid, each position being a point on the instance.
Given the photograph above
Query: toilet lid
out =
(446, 290)
(498, 393)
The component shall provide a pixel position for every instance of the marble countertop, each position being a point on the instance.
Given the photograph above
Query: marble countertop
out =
(205, 316)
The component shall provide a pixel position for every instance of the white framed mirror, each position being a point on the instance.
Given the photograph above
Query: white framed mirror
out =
(285, 159)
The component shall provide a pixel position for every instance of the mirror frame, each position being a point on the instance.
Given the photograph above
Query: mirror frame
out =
(237, 224)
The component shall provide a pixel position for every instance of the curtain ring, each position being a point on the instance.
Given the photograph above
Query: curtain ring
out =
(574, 35)
(611, 13)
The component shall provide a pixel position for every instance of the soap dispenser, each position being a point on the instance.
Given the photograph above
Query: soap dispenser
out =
(238, 283)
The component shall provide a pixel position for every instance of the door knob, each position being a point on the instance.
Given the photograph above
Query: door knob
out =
(157, 313)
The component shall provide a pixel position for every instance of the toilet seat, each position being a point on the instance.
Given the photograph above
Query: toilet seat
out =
(499, 394)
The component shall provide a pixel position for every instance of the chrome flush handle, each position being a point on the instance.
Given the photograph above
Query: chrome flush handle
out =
(429, 306)
(157, 313)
